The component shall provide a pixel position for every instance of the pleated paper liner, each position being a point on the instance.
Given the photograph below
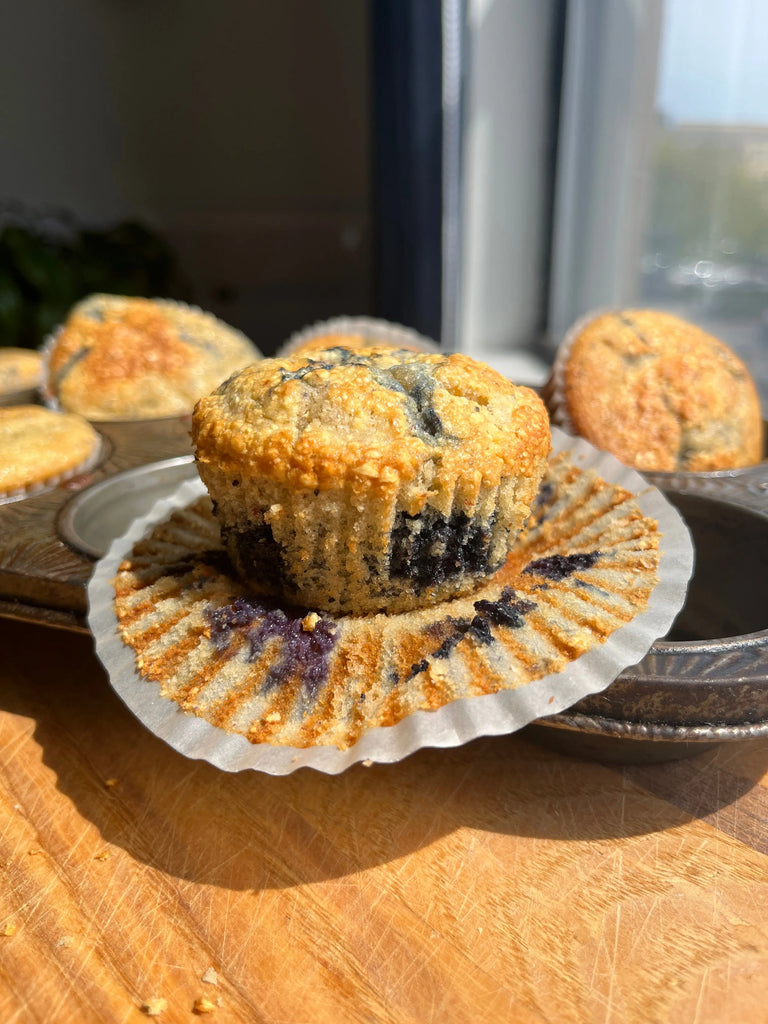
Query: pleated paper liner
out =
(598, 575)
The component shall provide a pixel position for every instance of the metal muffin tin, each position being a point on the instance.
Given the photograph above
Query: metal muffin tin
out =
(705, 683)
(48, 541)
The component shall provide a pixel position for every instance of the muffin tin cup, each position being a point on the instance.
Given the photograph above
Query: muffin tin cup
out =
(368, 327)
(452, 724)
(706, 681)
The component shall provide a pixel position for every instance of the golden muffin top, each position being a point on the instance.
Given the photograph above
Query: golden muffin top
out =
(661, 394)
(20, 370)
(357, 343)
(374, 421)
(132, 358)
(37, 445)
(355, 332)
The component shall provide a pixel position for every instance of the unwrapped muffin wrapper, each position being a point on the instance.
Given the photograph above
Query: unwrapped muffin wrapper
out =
(368, 327)
(453, 724)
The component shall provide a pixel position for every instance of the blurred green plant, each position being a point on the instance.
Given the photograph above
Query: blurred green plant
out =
(46, 267)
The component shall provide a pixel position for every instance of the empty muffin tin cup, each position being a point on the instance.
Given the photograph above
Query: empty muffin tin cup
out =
(706, 681)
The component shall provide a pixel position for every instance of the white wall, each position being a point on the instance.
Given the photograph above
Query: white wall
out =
(239, 128)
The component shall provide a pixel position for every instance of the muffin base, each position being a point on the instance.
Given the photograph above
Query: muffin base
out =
(324, 551)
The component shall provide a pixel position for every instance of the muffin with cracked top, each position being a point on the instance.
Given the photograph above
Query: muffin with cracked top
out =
(367, 482)
(657, 392)
(125, 358)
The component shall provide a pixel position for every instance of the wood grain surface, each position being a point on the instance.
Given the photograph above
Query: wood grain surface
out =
(501, 881)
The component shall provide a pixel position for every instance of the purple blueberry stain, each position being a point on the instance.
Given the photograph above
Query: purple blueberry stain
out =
(544, 500)
(560, 567)
(508, 611)
(303, 651)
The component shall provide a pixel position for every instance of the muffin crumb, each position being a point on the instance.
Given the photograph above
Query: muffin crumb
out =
(203, 1005)
(155, 1006)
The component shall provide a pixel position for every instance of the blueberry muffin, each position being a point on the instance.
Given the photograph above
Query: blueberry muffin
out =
(21, 373)
(586, 564)
(659, 393)
(357, 333)
(119, 358)
(362, 482)
(40, 448)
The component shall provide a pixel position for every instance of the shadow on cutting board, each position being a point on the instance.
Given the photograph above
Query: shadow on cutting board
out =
(254, 831)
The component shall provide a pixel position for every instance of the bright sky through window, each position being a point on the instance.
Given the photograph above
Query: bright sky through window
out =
(714, 63)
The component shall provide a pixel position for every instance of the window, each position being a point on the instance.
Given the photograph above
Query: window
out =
(615, 153)
(705, 246)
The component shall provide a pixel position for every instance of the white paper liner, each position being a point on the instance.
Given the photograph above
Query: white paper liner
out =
(367, 327)
(46, 394)
(451, 725)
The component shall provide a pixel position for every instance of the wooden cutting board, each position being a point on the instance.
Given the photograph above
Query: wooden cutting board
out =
(501, 881)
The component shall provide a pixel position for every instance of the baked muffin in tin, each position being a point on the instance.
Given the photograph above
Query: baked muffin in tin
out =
(370, 481)
(357, 333)
(21, 372)
(40, 448)
(122, 358)
(658, 392)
